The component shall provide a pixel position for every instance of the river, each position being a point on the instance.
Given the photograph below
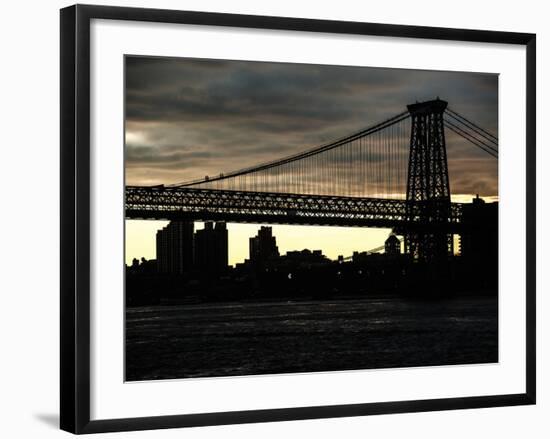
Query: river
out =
(227, 339)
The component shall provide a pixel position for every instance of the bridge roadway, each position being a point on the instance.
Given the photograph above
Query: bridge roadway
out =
(184, 203)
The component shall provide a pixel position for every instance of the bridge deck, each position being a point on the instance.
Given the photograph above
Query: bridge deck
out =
(169, 203)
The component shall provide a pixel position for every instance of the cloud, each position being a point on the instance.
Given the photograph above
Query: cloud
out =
(187, 118)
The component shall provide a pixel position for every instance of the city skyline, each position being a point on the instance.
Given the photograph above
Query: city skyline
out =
(142, 239)
(187, 118)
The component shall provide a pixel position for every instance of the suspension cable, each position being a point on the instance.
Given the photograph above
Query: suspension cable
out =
(317, 150)
(478, 129)
(470, 138)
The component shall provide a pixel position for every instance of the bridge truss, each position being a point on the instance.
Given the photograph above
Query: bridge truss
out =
(184, 203)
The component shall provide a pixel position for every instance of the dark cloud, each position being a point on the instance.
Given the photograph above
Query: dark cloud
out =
(186, 118)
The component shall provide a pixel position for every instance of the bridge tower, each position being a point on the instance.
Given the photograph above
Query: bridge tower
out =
(428, 193)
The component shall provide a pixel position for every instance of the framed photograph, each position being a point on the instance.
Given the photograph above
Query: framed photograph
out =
(268, 219)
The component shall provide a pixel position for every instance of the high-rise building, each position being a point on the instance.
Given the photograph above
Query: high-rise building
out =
(211, 252)
(175, 248)
(392, 246)
(479, 241)
(263, 246)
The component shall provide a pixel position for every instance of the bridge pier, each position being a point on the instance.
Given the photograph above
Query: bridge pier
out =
(428, 192)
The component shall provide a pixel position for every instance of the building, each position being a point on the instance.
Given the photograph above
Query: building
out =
(392, 246)
(211, 251)
(263, 246)
(175, 248)
(142, 267)
(479, 241)
(304, 258)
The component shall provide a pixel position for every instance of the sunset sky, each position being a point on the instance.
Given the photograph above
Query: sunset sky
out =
(187, 118)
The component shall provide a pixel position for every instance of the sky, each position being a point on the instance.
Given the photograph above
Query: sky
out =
(187, 118)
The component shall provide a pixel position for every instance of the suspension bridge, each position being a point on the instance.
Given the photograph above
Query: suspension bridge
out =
(393, 174)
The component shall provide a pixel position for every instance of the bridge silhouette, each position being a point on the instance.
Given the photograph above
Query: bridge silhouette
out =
(393, 174)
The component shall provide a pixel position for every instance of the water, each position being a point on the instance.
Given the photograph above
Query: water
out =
(207, 340)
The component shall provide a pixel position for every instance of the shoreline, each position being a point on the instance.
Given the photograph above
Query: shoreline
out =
(167, 303)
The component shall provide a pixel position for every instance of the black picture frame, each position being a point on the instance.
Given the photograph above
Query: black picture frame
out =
(75, 217)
